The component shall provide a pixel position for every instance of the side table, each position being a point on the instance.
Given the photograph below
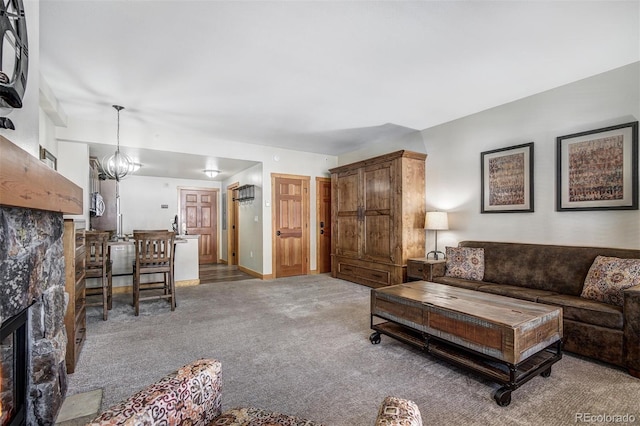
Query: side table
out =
(421, 268)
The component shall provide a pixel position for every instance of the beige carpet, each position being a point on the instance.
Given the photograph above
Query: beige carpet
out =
(300, 346)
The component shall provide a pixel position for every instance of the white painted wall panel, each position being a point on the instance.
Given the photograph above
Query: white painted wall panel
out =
(453, 164)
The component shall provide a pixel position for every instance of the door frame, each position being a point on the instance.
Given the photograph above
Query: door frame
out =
(232, 210)
(306, 247)
(318, 196)
(218, 215)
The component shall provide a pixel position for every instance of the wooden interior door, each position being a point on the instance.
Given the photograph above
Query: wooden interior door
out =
(323, 224)
(199, 212)
(290, 225)
(233, 230)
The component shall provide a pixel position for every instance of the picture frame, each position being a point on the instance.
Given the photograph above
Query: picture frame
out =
(598, 169)
(507, 180)
(48, 158)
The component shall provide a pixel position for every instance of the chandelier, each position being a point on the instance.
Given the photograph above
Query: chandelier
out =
(118, 165)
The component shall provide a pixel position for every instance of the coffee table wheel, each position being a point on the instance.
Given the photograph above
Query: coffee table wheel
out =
(546, 373)
(374, 338)
(503, 397)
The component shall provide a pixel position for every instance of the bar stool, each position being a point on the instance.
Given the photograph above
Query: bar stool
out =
(155, 253)
(98, 265)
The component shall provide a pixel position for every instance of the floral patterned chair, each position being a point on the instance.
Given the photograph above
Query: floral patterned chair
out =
(192, 396)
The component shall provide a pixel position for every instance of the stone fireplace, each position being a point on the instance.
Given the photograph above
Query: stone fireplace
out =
(32, 283)
(33, 199)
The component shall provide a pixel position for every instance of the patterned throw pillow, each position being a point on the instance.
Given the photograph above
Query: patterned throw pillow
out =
(465, 262)
(608, 277)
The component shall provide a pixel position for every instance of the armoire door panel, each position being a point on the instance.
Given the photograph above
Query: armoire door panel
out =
(347, 235)
(348, 194)
(377, 241)
(377, 189)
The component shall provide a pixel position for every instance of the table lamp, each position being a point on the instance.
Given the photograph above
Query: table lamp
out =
(436, 221)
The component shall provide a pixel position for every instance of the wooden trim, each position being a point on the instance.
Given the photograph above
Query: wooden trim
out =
(27, 182)
(380, 159)
(230, 232)
(306, 182)
(318, 196)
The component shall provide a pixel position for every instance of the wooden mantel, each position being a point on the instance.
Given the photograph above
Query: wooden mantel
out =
(27, 182)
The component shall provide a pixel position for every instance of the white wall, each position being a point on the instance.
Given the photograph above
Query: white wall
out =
(411, 141)
(73, 163)
(251, 221)
(453, 164)
(142, 197)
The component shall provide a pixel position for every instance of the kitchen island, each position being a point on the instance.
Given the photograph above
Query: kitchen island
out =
(123, 255)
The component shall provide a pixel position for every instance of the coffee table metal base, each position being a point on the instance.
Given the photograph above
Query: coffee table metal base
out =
(511, 376)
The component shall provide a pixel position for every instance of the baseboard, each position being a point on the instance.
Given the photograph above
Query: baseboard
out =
(223, 261)
(129, 289)
(254, 273)
(187, 283)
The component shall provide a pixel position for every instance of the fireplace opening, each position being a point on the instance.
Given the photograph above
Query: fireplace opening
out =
(13, 370)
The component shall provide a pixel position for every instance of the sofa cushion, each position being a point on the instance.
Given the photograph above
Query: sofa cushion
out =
(530, 294)
(562, 269)
(257, 417)
(459, 282)
(587, 311)
(608, 277)
(465, 262)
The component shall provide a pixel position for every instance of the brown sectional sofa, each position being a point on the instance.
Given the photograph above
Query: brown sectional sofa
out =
(554, 275)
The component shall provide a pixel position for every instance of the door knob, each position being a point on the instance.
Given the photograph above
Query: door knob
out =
(321, 231)
(278, 233)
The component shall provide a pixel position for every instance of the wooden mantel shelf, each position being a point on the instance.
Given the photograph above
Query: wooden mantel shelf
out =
(27, 182)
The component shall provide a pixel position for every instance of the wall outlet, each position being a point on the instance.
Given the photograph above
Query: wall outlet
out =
(251, 254)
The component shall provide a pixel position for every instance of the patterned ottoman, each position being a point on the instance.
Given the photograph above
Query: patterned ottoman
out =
(192, 396)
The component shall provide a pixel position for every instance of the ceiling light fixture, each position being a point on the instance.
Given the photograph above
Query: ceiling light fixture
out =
(118, 165)
(211, 173)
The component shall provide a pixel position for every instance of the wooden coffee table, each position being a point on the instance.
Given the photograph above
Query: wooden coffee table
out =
(506, 340)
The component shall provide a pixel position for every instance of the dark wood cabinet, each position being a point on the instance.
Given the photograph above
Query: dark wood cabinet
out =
(378, 208)
(75, 316)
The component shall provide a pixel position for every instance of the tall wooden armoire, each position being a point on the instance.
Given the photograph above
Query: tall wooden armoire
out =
(378, 209)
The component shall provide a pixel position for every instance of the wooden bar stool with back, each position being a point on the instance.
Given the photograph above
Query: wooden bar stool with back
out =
(98, 265)
(155, 253)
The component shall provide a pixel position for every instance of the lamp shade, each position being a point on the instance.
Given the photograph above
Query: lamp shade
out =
(436, 221)
(211, 173)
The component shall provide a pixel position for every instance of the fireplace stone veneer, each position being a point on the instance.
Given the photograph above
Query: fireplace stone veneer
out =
(32, 277)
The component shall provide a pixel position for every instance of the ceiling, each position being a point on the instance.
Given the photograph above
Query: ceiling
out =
(320, 76)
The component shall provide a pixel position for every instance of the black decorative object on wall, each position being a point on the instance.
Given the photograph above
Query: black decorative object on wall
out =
(246, 193)
(14, 57)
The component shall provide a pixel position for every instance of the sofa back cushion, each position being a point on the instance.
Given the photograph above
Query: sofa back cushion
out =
(562, 269)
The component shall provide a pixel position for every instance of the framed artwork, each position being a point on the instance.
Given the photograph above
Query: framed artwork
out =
(598, 169)
(48, 158)
(507, 179)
